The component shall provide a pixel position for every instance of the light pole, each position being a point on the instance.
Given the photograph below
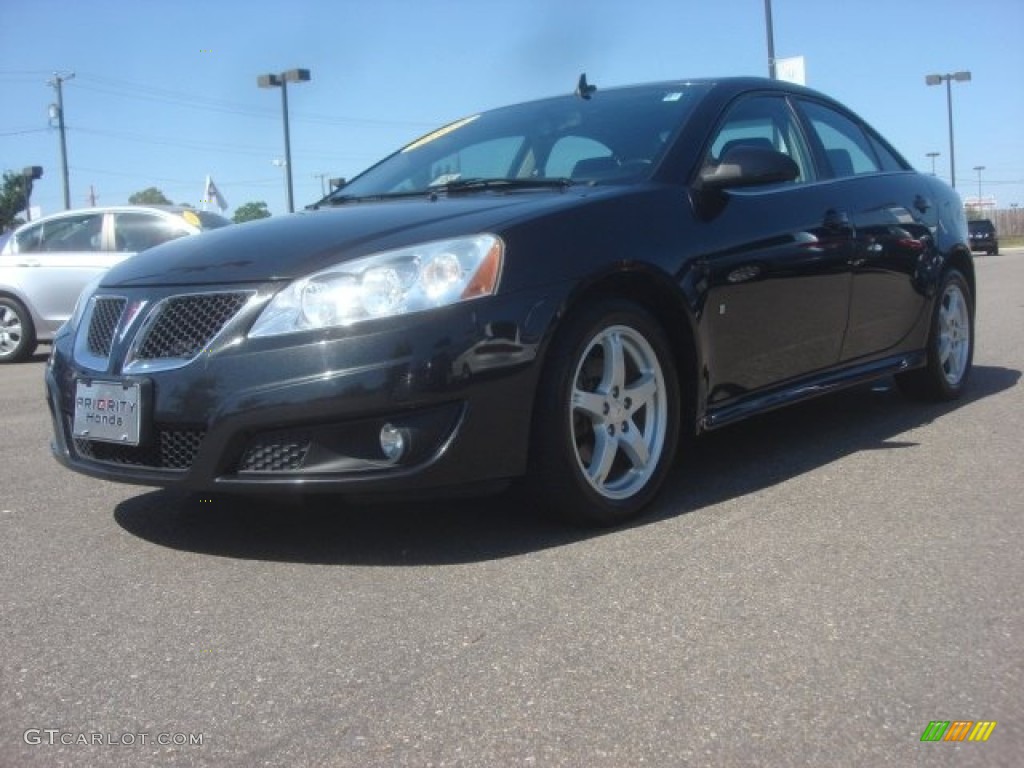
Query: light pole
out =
(933, 155)
(57, 111)
(770, 32)
(281, 81)
(979, 169)
(960, 77)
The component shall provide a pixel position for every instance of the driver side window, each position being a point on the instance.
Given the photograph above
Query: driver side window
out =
(761, 121)
(64, 234)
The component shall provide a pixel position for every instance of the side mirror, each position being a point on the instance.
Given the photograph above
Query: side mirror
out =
(749, 167)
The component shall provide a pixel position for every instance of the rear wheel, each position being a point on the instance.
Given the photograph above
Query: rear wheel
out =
(17, 335)
(607, 418)
(950, 344)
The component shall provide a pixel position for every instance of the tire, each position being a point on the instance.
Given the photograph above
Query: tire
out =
(950, 344)
(17, 334)
(606, 421)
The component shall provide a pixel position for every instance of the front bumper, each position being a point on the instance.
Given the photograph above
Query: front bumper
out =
(305, 412)
(984, 243)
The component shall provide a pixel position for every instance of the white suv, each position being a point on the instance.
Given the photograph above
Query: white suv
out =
(46, 263)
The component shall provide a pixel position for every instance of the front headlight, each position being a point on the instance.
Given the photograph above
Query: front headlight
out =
(386, 284)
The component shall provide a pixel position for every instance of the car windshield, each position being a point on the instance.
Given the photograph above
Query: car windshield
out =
(612, 136)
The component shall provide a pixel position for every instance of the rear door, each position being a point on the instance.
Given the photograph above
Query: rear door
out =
(894, 221)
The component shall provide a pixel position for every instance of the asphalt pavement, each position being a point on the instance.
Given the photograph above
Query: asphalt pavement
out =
(814, 587)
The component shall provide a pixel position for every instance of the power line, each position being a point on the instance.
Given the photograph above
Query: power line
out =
(206, 146)
(23, 131)
(122, 88)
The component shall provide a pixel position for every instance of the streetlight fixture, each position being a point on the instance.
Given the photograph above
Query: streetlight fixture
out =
(281, 81)
(960, 77)
(933, 155)
(30, 173)
(979, 169)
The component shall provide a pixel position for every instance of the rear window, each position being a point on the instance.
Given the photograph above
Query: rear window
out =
(204, 219)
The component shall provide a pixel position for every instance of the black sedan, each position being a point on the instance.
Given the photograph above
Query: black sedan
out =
(557, 291)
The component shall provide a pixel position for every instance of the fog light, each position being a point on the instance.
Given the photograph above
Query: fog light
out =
(393, 442)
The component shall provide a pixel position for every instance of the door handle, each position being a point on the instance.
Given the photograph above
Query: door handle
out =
(29, 263)
(922, 204)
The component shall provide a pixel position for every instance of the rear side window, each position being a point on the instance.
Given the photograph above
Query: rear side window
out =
(847, 149)
(135, 232)
(888, 160)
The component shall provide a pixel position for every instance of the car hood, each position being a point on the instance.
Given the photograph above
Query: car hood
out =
(288, 247)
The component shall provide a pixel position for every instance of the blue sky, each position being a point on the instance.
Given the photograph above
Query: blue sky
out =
(165, 93)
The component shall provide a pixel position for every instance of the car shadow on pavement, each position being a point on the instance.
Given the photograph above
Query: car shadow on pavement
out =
(726, 464)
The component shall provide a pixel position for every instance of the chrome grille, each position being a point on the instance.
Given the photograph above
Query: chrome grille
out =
(106, 314)
(184, 325)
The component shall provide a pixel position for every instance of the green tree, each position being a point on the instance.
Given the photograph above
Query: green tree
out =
(149, 196)
(12, 199)
(250, 212)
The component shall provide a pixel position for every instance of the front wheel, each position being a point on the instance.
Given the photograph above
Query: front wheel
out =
(606, 424)
(950, 344)
(17, 336)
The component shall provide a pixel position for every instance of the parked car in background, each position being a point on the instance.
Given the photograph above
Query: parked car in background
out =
(983, 236)
(46, 263)
(556, 290)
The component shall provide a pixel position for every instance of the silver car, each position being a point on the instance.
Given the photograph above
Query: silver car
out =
(46, 263)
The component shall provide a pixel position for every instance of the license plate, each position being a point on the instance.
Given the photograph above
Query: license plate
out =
(107, 411)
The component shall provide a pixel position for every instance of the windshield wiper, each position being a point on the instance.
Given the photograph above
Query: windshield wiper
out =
(455, 186)
(473, 184)
(343, 199)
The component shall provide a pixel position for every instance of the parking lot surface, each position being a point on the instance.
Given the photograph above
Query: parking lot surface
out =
(814, 588)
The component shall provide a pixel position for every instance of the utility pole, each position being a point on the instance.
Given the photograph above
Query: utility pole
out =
(58, 83)
(92, 197)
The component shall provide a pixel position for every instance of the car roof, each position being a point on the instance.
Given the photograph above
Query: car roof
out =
(171, 210)
(731, 85)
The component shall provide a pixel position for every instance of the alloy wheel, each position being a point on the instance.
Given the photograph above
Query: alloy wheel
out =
(618, 414)
(954, 334)
(11, 331)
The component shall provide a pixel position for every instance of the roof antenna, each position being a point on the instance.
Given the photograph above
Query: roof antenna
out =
(583, 89)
